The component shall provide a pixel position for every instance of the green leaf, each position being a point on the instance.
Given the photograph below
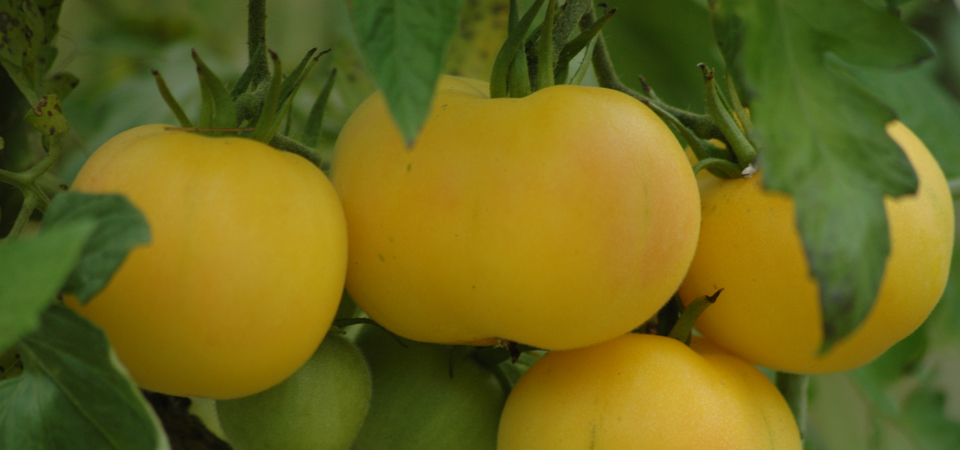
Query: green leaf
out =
(47, 116)
(403, 43)
(61, 84)
(924, 106)
(924, 421)
(32, 270)
(10, 364)
(670, 50)
(821, 133)
(119, 228)
(27, 29)
(73, 393)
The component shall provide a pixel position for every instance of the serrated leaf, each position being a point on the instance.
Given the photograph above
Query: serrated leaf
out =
(47, 116)
(32, 270)
(671, 48)
(403, 44)
(27, 29)
(61, 84)
(119, 228)
(822, 134)
(47, 53)
(924, 106)
(73, 393)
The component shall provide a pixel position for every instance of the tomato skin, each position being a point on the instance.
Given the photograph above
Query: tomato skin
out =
(244, 271)
(769, 312)
(320, 407)
(641, 392)
(536, 220)
(416, 402)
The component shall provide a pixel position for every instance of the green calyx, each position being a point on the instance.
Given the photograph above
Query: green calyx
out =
(725, 115)
(683, 328)
(255, 106)
(542, 59)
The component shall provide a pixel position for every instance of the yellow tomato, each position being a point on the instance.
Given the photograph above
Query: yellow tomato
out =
(641, 392)
(244, 271)
(559, 220)
(769, 312)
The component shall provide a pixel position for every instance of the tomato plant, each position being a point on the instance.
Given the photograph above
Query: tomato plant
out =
(321, 406)
(646, 392)
(244, 271)
(534, 219)
(476, 214)
(770, 313)
(425, 395)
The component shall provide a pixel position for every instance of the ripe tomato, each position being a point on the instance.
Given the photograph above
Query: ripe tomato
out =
(642, 391)
(769, 313)
(245, 269)
(561, 219)
(320, 407)
(417, 403)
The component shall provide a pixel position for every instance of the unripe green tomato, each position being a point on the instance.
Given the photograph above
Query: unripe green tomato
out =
(560, 220)
(320, 407)
(769, 313)
(417, 405)
(244, 270)
(646, 392)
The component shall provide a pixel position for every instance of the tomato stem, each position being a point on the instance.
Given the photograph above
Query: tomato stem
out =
(684, 326)
(270, 103)
(30, 201)
(256, 36)
(52, 145)
(33, 197)
(570, 15)
(566, 22)
(701, 125)
(794, 388)
(247, 76)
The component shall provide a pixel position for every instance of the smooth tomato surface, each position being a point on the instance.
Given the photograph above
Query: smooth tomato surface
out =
(559, 220)
(769, 312)
(426, 396)
(641, 392)
(244, 271)
(320, 407)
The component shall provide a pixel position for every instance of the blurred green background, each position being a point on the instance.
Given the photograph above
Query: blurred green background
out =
(908, 399)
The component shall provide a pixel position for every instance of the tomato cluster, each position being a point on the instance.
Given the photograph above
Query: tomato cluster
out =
(561, 220)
